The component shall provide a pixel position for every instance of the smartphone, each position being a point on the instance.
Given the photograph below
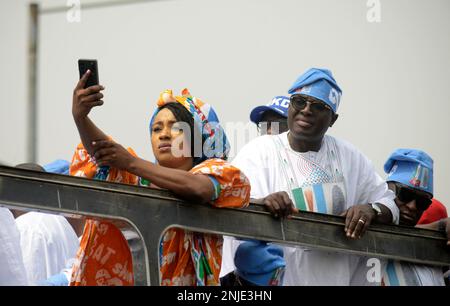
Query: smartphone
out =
(91, 64)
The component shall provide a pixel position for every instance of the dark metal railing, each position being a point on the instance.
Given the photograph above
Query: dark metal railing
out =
(146, 213)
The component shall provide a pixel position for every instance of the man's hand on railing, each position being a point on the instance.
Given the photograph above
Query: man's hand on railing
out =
(357, 220)
(278, 204)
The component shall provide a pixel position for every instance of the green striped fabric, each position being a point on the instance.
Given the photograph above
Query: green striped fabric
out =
(299, 199)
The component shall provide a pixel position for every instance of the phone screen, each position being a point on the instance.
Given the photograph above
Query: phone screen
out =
(83, 66)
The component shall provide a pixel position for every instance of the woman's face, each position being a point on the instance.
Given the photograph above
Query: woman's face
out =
(169, 142)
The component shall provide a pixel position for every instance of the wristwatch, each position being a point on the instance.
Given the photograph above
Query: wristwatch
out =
(377, 208)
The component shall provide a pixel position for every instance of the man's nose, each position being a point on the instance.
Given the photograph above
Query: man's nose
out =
(412, 205)
(307, 109)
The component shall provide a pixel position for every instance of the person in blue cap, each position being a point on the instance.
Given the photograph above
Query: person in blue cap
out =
(271, 119)
(305, 169)
(410, 176)
(257, 264)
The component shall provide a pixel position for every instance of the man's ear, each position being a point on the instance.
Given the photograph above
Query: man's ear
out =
(333, 119)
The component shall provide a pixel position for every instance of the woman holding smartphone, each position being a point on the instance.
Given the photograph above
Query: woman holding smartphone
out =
(186, 257)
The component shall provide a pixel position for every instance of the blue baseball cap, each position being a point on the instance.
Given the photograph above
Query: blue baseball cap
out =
(260, 263)
(279, 105)
(411, 167)
(59, 166)
(319, 84)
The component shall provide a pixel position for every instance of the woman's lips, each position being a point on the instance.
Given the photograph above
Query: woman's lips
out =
(165, 147)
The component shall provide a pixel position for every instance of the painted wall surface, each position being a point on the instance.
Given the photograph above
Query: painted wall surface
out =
(391, 61)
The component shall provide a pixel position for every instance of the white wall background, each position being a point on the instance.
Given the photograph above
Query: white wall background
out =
(235, 54)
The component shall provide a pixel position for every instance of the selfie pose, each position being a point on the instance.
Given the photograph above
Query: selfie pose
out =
(186, 257)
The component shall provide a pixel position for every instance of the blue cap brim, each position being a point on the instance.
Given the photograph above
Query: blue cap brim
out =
(257, 113)
(59, 166)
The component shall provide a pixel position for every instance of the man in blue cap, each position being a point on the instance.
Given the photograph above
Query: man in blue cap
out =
(304, 169)
(410, 176)
(257, 264)
(271, 119)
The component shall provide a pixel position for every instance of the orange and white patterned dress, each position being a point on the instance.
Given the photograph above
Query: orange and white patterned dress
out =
(186, 258)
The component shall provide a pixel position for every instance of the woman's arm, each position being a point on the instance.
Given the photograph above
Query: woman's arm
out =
(83, 101)
(193, 187)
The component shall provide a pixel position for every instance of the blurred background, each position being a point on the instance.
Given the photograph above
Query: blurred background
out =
(391, 58)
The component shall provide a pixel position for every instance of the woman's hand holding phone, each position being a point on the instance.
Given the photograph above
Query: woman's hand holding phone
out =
(84, 99)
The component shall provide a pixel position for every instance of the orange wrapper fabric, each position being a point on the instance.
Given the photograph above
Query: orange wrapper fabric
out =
(186, 258)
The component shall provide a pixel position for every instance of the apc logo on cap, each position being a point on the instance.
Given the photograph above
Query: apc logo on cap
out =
(394, 168)
(420, 177)
(306, 89)
(334, 97)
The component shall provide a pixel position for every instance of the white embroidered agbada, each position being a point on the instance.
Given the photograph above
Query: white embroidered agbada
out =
(12, 269)
(329, 181)
(48, 243)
